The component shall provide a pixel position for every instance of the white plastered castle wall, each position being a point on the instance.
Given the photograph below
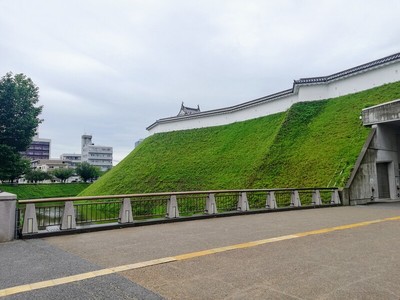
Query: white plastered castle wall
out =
(354, 83)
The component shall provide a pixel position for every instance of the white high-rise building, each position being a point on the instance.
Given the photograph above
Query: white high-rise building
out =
(99, 156)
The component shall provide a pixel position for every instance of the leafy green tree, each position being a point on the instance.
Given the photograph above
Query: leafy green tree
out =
(18, 113)
(37, 176)
(87, 172)
(62, 173)
(18, 121)
(12, 165)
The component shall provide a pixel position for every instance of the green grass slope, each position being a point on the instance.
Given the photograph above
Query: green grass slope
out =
(320, 141)
(312, 144)
(208, 158)
(36, 191)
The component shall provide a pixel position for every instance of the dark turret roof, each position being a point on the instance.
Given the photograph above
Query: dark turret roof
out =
(185, 111)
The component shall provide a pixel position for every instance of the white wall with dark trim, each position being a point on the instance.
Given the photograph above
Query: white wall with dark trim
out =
(353, 83)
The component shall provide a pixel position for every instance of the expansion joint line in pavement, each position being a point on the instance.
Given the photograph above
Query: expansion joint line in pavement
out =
(107, 271)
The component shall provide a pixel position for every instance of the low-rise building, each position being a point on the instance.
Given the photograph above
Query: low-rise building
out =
(73, 158)
(47, 165)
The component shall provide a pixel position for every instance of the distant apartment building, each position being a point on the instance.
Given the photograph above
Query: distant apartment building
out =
(72, 158)
(38, 149)
(96, 155)
(47, 165)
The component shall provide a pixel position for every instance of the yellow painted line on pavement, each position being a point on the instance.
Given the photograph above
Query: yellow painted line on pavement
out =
(154, 262)
(336, 228)
(392, 219)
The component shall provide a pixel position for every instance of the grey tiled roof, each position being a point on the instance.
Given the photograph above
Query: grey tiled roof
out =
(348, 72)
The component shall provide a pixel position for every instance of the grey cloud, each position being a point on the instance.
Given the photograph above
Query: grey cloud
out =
(111, 68)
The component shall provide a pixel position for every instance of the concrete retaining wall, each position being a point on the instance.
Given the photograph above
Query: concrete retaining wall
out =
(383, 148)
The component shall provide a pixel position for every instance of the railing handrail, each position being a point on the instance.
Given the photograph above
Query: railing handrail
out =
(63, 199)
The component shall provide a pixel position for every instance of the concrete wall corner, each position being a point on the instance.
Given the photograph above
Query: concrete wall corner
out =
(345, 196)
(8, 206)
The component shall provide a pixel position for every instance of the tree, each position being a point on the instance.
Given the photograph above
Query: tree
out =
(18, 121)
(37, 176)
(62, 173)
(87, 172)
(18, 113)
(11, 164)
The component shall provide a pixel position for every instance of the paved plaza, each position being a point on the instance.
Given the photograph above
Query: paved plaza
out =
(329, 253)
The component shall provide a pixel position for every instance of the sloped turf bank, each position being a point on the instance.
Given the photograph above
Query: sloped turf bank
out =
(312, 144)
(36, 191)
(210, 158)
(320, 141)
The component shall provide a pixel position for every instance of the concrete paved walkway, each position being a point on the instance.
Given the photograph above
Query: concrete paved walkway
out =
(359, 261)
(31, 261)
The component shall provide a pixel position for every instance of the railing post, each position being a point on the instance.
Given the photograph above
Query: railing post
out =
(271, 201)
(243, 204)
(316, 198)
(8, 206)
(172, 208)
(335, 199)
(295, 199)
(68, 220)
(30, 220)
(211, 205)
(125, 212)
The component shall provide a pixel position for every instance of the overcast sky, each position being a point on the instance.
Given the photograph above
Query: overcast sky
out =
(111, 68)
